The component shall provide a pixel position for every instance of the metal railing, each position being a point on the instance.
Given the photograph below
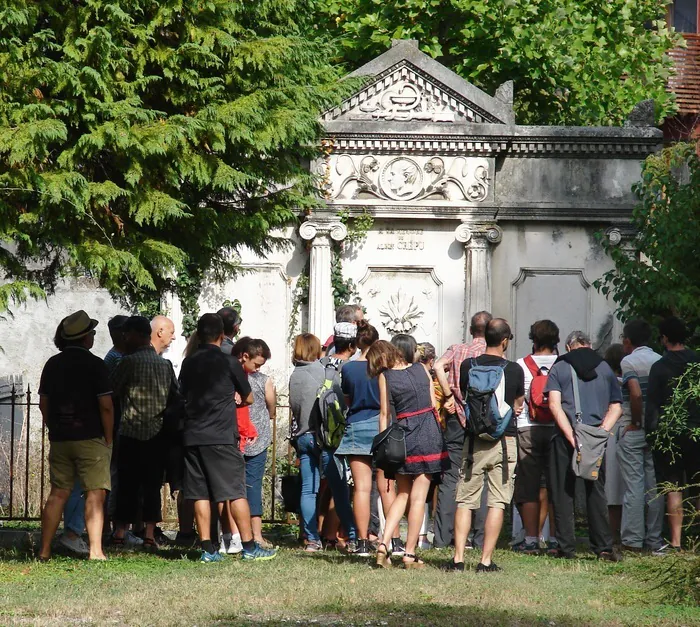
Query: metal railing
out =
(23, 461)
(24, 468)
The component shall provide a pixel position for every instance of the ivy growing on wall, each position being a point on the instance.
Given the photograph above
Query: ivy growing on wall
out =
(299, 300)
(345, 290)
(188, 287)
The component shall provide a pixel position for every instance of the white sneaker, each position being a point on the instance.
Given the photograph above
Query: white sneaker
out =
(75, 545)
(222, 546)
(236, 545)
(424, 545)
(131, 539)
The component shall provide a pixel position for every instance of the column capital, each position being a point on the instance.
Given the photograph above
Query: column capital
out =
(472, 234)
(336, 230)
(623, 236)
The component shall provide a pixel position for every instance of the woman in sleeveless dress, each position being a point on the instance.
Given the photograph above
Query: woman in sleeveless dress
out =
(405, 390)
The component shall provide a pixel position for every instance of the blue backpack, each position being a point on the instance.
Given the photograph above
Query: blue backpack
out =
(487, 414)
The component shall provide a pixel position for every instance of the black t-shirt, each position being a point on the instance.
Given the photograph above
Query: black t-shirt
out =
(514, 382)
(208, 380)
(73, 380)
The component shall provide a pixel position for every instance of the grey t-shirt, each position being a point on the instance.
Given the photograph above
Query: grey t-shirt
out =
(596, 395)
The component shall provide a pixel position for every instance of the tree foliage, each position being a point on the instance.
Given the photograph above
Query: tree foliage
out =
(660, 275)
(140, 139)
(573, 61)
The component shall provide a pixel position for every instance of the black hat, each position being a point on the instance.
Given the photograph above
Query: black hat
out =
(139, 325)
(117, 323)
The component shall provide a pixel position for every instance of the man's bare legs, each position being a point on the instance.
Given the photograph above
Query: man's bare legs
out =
(51, 518)
(674, 507)
(94, 521)
(530, 513)
(202, 514)
(492, 529)
(240, 512)
(463, 524)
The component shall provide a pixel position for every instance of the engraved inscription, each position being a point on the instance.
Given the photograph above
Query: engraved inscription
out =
(401, 239)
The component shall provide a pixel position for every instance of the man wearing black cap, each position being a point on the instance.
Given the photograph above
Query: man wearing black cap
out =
(142, 383)
(112, 359)
(118, 350)
(76, 405)
(232, 324)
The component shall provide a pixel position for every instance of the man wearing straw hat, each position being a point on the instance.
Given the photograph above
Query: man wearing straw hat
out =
(76, 405)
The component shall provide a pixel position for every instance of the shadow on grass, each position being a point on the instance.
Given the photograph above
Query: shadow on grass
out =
(413, 614)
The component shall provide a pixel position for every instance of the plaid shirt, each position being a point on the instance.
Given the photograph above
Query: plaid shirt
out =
(142, 383)
(454, 356)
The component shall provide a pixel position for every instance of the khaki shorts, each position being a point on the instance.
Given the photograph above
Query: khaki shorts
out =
(488, 462)
(87, 459)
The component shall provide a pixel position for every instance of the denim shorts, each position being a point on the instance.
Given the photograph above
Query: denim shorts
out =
(358, 437)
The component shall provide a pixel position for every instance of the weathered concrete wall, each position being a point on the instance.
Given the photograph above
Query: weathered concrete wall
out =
(26, 337)
(546, 270)
(582, 189)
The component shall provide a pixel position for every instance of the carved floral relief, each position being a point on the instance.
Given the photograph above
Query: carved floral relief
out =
(405, 178)
(399, 314)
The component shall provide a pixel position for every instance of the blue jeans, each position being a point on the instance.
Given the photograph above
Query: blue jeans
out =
(254, 473)
(74, 511)
(340, 492)
(310, 480)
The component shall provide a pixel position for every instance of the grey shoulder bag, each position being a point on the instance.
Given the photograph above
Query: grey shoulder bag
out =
(590, 441)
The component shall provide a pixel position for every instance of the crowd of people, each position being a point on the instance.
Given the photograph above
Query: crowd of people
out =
(480, 434)
(125, 425)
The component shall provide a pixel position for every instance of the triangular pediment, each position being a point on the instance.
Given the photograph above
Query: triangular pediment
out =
(409, 86)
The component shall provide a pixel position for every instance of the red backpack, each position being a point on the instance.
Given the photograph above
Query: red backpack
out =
(538, 404)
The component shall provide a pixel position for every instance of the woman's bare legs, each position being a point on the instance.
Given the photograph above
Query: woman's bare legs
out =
(361, 469)
(398, 507)
(387, 493)
(416, 510)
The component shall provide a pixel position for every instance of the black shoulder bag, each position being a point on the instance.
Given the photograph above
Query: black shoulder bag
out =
(389, 448)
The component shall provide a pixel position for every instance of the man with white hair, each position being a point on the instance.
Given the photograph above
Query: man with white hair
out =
(162, 333)
(600, 405)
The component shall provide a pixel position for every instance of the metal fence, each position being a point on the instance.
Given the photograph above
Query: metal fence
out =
(24, 468)
(23, 457)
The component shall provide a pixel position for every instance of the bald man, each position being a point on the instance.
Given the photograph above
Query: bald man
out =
(162, 333)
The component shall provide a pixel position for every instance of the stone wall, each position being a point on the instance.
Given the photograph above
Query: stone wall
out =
(26, 337)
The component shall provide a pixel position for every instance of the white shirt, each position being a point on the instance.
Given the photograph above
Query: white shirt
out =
(544, 362)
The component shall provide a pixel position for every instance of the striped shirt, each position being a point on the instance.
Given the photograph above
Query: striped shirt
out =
(454, 356)
(636, 365)
(142, 383)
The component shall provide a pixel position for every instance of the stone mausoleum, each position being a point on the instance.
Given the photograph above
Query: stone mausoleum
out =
(471, 212)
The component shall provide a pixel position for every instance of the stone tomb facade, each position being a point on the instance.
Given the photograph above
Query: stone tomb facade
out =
(472, 212)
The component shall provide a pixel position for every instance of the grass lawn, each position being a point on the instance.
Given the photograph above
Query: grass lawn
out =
(328, 589)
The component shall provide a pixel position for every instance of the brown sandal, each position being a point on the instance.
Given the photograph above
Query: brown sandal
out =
(414, 563)
(383, 560)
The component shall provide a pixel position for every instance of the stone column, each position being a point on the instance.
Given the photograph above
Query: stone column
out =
(478, 240)
(321, 307)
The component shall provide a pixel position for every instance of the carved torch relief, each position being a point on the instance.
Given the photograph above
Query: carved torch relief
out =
(404, 178)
